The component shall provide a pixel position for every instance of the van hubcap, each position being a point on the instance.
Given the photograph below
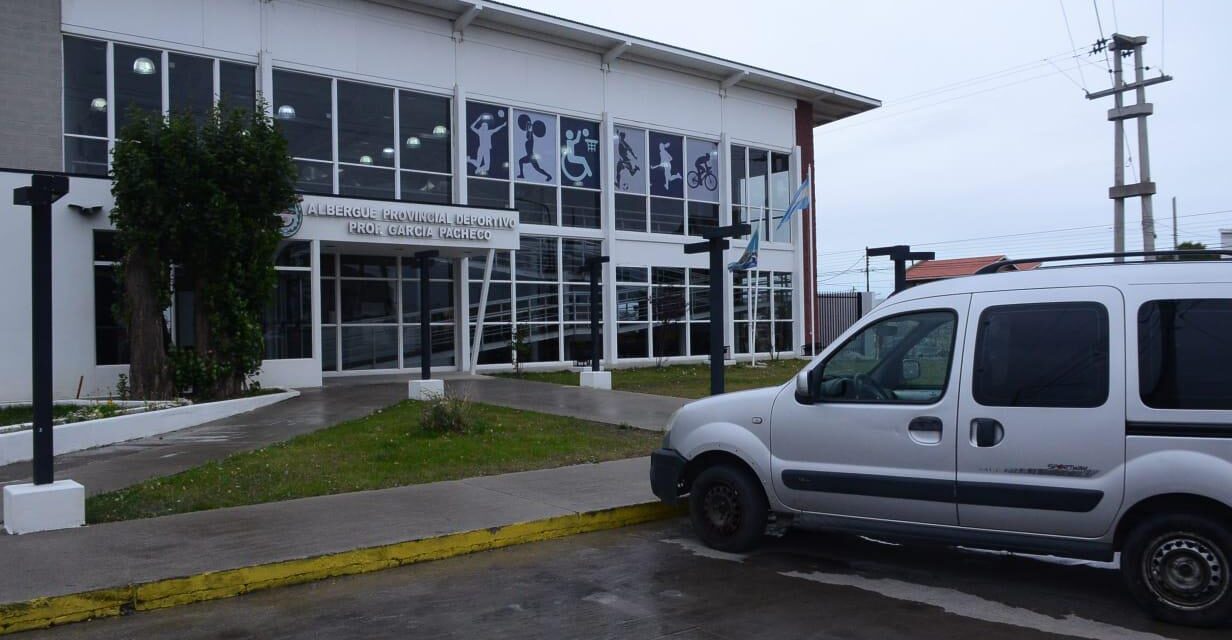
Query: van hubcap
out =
(722, 509)
(1186, 571)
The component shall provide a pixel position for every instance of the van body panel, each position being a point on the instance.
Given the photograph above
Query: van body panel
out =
(858, 458)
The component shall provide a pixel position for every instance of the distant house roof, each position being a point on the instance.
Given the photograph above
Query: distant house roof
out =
(930, 270)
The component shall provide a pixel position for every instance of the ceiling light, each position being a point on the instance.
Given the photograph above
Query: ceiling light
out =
(144, 66)
(98, 104)
(286, 112)
(440, 131)
(388, 152)
(412, 142)
(365, 159)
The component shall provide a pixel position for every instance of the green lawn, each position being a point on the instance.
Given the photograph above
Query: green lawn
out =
(22, 413)
(385, 449)
(684, 380)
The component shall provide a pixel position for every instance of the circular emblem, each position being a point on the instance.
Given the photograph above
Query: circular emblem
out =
(292, 220)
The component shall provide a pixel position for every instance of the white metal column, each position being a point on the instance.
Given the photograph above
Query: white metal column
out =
(799, 246)
(607, 179)
(725, 218)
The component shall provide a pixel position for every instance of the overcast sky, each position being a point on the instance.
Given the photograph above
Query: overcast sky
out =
(1013, 147)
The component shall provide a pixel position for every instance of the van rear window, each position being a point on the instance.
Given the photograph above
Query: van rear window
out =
(1185, 354)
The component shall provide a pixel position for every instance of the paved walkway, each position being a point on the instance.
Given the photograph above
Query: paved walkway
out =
(138, 551)
(117, 466)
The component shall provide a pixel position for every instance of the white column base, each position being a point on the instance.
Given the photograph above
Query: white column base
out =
(425, 389)
(44, 507)
(597, 379)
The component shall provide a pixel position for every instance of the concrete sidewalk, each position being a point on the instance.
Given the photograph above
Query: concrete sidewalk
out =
(117, 466)
(139, 560)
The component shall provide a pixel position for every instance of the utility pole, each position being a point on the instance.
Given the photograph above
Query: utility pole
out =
(1122, 46)
(867, 286)
(1174, 234)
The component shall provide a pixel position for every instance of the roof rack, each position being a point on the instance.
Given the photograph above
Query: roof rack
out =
(997, 266)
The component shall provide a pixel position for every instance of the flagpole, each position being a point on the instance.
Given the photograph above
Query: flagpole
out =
(815, 303)
(753, 303)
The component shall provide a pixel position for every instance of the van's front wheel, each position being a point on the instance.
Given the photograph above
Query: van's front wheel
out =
(1176, 566)
(728, 508)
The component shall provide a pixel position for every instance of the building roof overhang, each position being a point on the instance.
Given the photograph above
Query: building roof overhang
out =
(829, 104)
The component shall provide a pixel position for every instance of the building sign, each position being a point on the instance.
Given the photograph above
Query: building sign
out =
(339, 219)
(292, 219)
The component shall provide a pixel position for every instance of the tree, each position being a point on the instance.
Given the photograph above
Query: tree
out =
(1195, 246)
(205, 199)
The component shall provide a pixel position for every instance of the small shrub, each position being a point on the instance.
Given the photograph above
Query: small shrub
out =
(446, 415)
(121, 388)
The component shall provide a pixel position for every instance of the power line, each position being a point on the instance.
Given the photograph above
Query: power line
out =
(1019, 235)
(993, 75)
(835, 129)
(1073, 47)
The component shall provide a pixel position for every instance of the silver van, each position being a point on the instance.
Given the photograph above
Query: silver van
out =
(1078, 411)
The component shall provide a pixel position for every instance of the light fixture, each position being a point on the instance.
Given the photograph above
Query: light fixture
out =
(388, 152)
(286, 112)
(412, 142)
(144, 66)
(440, 131)
(98, 104)
(365, 159)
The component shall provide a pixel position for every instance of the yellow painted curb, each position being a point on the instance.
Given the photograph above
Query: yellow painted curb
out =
(41, 613)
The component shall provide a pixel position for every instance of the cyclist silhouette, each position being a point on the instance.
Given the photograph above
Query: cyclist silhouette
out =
(534, 129)
(628, 160)
(703, 174)
(482, 127)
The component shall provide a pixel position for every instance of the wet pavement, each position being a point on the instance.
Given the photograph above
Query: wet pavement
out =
(656, 581)
(120, 465)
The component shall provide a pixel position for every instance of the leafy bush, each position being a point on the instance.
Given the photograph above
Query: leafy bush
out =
(446, 414)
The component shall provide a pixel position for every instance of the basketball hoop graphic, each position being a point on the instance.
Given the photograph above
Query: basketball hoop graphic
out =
(570, 156)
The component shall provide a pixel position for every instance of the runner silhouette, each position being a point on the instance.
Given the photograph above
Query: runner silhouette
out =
(534, 129)
(665, 163)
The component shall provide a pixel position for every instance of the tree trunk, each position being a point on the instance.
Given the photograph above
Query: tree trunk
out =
(149, 373)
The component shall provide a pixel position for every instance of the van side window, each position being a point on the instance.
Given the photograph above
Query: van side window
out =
(1185, 353)
(1042, 355)
(900, 359)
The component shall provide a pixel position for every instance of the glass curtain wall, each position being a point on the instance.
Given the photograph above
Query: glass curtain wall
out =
(662, 311)
(665, 183)
(761, 189)
(370, 313)
(771, 293)
(135, 81)
(389, 143)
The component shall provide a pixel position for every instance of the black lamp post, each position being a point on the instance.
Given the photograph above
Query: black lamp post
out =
(716, 242)
(43, 191)
(594, 267)
(900, 254)
(423, 260)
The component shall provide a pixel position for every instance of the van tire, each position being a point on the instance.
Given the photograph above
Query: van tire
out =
(1176, 567)
(728, 508)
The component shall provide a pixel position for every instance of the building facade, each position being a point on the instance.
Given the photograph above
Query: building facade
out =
(514, 143)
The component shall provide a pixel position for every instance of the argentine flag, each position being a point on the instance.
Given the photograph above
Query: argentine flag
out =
(748, 259)
(800, 200)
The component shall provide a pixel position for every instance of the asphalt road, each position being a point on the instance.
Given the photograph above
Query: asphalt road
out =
(656, 581)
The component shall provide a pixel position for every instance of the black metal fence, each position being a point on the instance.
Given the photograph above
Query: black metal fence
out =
(837, 311)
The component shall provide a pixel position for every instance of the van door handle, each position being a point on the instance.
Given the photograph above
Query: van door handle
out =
(986, 432)
(925, 430)
(925, 423)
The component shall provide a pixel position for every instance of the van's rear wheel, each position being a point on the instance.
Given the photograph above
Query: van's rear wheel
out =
(728, 508)
(1176, 566)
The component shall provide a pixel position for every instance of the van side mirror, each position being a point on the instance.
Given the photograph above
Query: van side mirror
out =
(804, 387)
(911, 369)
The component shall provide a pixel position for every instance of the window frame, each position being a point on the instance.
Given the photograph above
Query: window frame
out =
(819, 370)
(1105, 326)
